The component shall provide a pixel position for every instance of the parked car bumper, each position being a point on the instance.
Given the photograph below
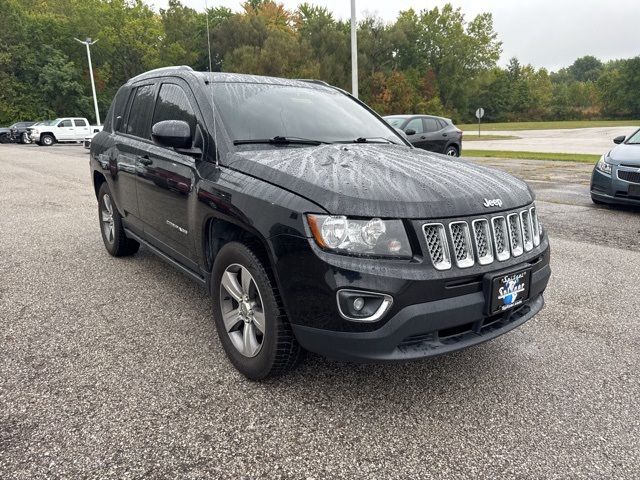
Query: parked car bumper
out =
(610, 189)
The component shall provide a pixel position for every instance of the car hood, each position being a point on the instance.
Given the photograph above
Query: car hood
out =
(384, 180)
(625, 153)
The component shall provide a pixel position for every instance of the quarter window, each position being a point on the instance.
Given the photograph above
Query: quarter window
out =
(173, 104)
(431, 125)
(140, 111)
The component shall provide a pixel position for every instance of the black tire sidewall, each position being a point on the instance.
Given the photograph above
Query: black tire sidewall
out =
(43, 140)
(112, 248)
(260, 366)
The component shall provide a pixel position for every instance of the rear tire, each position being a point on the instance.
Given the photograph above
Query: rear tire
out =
(113, 235)
(252, 325)
(452, 151)
(47, 140)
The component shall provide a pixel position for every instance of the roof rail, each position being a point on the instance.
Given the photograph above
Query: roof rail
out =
(313, 80)
(164, 69)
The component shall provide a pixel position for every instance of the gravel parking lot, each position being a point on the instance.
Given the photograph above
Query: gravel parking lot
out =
(111, 368)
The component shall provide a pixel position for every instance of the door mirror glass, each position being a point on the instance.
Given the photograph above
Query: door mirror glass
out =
(410, 131)
(172, 133)
(619, 140)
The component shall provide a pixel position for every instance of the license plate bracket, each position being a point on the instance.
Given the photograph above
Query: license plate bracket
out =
(507, 290)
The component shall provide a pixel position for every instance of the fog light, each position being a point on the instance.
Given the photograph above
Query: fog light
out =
(361, 306)
(358, 304)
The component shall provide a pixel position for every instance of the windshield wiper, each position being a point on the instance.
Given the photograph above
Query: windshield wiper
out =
(278, 140)
(369, 140)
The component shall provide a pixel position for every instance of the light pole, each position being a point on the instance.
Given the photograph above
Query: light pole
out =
(88, 43)
(354, 50)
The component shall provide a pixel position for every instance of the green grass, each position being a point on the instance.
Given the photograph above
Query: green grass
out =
(561, 157)
(470, 137)
(469, 128)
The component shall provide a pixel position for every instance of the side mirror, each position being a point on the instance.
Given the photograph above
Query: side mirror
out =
(401, 133)
(118, 123)
(172, 133)
(619, 140)
(410, 131)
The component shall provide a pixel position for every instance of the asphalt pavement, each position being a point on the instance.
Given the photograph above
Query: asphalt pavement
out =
(111, 368)
(596, 140)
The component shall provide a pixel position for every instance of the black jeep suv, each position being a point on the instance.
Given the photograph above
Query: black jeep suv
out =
(311, 222)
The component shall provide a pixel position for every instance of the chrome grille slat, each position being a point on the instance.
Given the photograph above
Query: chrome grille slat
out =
(501, 238)
(482, 237)
(438, 246)
(462, 248)
(515, 234)
(482, 240)
(535, 226)
(527, 235)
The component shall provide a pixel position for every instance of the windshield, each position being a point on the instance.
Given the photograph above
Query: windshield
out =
(634, 139)
(255, 111)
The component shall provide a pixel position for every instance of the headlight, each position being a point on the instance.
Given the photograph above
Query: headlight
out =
(35, 130)
(369, 237)
(603, 166)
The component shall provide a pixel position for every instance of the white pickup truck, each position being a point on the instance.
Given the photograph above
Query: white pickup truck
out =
(68, 129)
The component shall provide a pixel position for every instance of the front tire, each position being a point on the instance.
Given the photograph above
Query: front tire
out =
(251, 323)
(47, 140)
(113, 235)
(24, 138)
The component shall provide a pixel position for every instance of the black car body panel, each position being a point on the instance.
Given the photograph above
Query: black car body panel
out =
(186, 206)
(621, 185)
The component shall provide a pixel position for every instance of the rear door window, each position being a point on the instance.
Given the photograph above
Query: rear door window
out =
(80, 122)
(431, 125)
(140, 112)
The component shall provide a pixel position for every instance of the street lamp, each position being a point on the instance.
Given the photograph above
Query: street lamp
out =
(354, 50)
(88, 43)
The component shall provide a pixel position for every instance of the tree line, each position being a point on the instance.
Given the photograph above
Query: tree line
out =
(430, 61)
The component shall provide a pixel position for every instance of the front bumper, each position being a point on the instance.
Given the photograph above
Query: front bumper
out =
(426, 329)
(610, 189)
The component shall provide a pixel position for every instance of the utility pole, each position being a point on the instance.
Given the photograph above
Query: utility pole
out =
(354, 50)
(88, 43)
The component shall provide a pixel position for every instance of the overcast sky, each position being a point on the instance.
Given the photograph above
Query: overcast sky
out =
(545, 33)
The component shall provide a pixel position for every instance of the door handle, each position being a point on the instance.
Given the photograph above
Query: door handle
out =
(423, 137)
(145, 160)
(444, 134)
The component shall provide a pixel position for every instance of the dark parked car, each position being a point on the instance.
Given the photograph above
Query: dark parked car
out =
(7, 133)
(435, 134)
(311, 222)
(19, 132)
(616, 176)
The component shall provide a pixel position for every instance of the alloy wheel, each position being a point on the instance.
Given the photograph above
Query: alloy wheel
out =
(106, 216)
(452, 152)
(242, 310)
(25, 138)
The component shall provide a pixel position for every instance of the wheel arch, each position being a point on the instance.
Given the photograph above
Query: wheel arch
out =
(98, 180)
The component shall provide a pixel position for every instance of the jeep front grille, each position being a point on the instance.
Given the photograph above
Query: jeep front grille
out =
(482, 240)
(437, 245)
